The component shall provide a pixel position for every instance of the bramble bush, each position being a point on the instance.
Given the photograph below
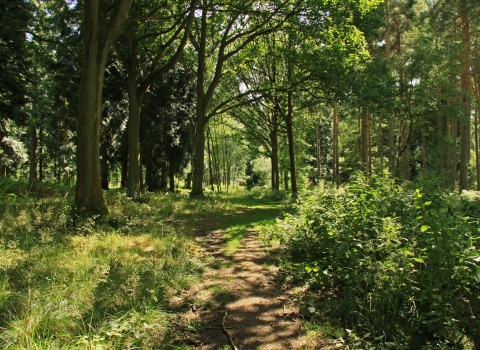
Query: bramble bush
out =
(399, 266)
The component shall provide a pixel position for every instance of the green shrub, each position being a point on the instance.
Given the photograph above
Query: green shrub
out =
(398, 266)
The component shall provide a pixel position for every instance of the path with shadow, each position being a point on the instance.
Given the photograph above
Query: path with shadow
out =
(260, 313)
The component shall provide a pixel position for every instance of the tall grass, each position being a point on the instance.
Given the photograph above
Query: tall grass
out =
(94, 285)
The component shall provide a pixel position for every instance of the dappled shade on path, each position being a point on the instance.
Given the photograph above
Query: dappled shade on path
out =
(261, 315)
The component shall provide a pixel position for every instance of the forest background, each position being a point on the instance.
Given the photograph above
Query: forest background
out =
(289, 93)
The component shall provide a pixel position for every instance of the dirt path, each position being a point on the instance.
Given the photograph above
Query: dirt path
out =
(244, 295)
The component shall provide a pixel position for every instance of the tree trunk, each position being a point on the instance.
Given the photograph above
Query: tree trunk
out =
(404, 157)
(453, 152)
(216, 157)
(105, 170)
(163, 177)
(149, 167)
(124, 179)
(33, 157)
(441, 164)
(189, 181)
(466, 83)
(133, 129)
(274, 159)
(476, 85)
(335, 158)
(365, 140)
(172, 177)
(40, 156)
(291, 145)
(99, 32)
(319, 153)
(391, 136)
(210, 165)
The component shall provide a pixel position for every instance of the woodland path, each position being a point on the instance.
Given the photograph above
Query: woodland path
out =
(246, 298)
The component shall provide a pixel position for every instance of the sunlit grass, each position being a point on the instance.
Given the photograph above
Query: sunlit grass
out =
(108, 284)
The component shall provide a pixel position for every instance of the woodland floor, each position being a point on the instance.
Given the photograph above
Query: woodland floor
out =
(247, 302)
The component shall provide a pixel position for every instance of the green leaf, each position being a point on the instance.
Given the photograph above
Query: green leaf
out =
(424, 228)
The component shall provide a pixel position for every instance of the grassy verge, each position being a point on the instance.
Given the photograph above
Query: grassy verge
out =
(108, 285)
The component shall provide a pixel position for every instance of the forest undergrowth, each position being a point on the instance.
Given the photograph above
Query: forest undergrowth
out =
(107, 284)
(383, 265)
(396, 266)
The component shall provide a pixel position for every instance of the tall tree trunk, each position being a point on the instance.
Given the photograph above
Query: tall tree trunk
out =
(188, 184)
(163, 177)
(216, 157)
(172, 176)
(33, 157)
(335, 158)
(40, 155)
(291, 145)
(274, 145)
(391, 136)
(453, 152)
(226, 163)
(319, 152)
(200, 112)
(366, 140)
(440, 145)
(477, 100)
(133, 128)
(210, 165)
(404, 156)
(466, 86)
(424, 152)
(124, 146)
(149, 167)
(105, 169)
(101, 26)
(380, 143)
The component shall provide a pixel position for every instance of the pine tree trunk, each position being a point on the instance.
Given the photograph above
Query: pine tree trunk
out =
(33, 157)
(210, 159)
(391, 136)
(319, 153)
(163, 177)
(477, 100)
(335, 158)
(285, 179)
(105, 170)
(365, 140)
(133, 129)
(466, 86)
(172, 177)
(405, 161)
(40, 155)
(291, 149)
(149, 167)
(124, 178)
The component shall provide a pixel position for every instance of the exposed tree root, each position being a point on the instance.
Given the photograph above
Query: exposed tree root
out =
(226, 332)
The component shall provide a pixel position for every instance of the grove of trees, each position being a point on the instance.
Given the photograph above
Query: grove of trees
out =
(281, 93)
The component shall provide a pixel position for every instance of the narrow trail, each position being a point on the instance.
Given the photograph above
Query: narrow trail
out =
(260, 314)
(244, 300)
